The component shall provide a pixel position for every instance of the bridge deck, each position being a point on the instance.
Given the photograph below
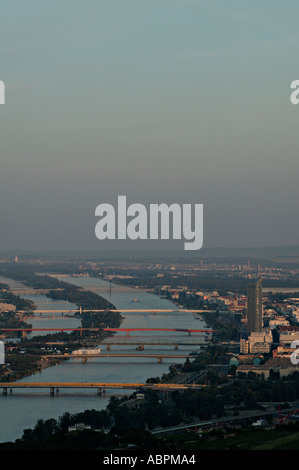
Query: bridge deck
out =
(86, 356)
(127, 330)
(97, 385)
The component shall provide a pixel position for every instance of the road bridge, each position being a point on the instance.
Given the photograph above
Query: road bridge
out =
(48, 317)
(25, 331)
(127, 330)
(156, 341)
(130, 310)
(30, 291)
(55, 314)
(114, 289)
(85, 357)
(99, 386)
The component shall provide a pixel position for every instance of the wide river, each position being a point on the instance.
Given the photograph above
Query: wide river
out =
(21, 409)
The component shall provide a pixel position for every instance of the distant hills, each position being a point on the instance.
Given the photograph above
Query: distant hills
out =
(210, 252)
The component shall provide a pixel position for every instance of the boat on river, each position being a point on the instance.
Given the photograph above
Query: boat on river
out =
(91, 351)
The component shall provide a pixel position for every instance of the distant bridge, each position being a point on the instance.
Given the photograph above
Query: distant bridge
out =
(153, 341)
(30, 291)
(99, 386)
(84, 357)
(115, 330)
(58, 315)
(51, 316)
(121, 310)
(114, 289)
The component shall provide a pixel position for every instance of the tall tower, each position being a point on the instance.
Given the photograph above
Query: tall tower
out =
(254, 307)
(2, 353)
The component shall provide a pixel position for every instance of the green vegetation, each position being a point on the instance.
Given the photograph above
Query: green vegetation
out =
(48, 437)
(221, 281)
(20, 366)
(9, 298)
(69, 292)
(10, 320)
(130, 421)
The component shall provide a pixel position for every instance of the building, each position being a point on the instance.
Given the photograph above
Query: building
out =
(2, 353)
(7, 307)
(281, 367)
(79, 427)
(278, 320)
(244, 346)
(287, 334)
(255, 307)
(295, 313)
(257, 343)
(260, 342)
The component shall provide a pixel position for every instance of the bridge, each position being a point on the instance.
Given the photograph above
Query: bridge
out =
(62, 314)
(84, 357)
(131, 310)
(30, 291)
(114, 289)
(51, 316)
(153, 341)
(24, 331)
(99, 386)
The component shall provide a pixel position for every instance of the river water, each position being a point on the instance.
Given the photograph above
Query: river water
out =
(21, 409)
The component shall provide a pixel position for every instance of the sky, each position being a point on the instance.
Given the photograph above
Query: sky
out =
(164, 101)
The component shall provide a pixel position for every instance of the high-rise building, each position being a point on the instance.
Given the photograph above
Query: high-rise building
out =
(2, 353)
(254, 307)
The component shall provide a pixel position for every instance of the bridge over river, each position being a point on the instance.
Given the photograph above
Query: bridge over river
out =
(31, 291)
(84, 357)
(24, 331)
(120, 310)
(99, 386)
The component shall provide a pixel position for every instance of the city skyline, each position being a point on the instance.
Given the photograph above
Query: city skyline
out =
(187, 315)
(149, 250)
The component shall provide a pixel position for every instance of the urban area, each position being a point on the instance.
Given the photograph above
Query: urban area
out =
(230, 326)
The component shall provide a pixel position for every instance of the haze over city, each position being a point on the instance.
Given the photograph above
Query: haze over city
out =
(149, 253)
(162, 101)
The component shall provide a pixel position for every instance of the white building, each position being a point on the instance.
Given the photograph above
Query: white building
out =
(7, 307)
(258, 342)
(288, 336)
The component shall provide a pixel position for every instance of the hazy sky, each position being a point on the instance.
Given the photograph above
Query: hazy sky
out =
(159, 100)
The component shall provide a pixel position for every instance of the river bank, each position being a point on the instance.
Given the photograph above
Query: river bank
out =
(22, 409)
(59, 291)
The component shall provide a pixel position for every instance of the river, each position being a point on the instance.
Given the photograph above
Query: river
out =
(21, 409)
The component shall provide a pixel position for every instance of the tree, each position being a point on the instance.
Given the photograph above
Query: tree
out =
(65, 421)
